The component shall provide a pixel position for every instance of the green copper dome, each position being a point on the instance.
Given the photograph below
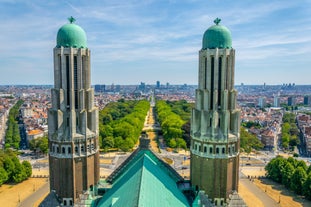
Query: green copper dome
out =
(71, 35)
(217, 36)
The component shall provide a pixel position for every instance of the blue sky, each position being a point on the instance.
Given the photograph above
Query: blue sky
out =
(133, 40)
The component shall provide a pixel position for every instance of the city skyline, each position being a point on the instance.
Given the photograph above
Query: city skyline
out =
(147, 41)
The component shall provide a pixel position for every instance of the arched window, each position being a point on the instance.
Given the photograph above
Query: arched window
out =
(223, 150)
(217, 150)
(211, 150)
(205, 149)
(63, 150)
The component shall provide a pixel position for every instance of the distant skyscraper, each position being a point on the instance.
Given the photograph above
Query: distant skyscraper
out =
(100, 88)
(261, 102)
(73, 118)
(276, 101)
(307, 100)
(291, 101)
(215, 120)
(158, 84)
(142, 86)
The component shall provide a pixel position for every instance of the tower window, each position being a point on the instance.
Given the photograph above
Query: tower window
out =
(223, 150)
(82, 148)
(76, 149)
(75, 73)
(205, 71)
(211, 150)
(217, 150)
(63, 150)
(69, 150)
(199, 148)
(229, 148)
(57, 149)
(67, 80)
(83, 71)
(205, 149)
(212, 83)
(227, 72)
(60, 71)
(68, 121)
(219, 80)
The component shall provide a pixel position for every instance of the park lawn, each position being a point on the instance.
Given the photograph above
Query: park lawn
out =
(249, 198)
(10, 195)
(280, 194)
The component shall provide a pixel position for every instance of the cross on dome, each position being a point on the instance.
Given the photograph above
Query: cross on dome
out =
(217, 20)
(71, 20)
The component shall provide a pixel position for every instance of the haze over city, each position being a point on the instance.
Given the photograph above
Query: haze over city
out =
(133, 41)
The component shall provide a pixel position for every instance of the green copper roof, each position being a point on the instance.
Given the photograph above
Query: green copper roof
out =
(144, 183)
(217, 36)
(71, 35)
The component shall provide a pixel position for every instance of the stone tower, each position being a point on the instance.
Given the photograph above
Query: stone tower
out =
(72, 119)
(215, 119)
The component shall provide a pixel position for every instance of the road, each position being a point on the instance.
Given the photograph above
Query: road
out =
(264, 198)
(31, 200)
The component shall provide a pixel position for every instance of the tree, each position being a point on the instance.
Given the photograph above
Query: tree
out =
(172, 143)
(287, 173)
(33, 145)
(249, 141)
(126, 145)
(28, 168)
(180, 143)
(186, 135)
(105, 131)
(275, 167)
(108, 142)
(9, 167)
(298, 178)
(301, 163)
(43, 144)
(118, 142)
(3, 176)
(40, 143)
(306, 187)
(19, 173)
